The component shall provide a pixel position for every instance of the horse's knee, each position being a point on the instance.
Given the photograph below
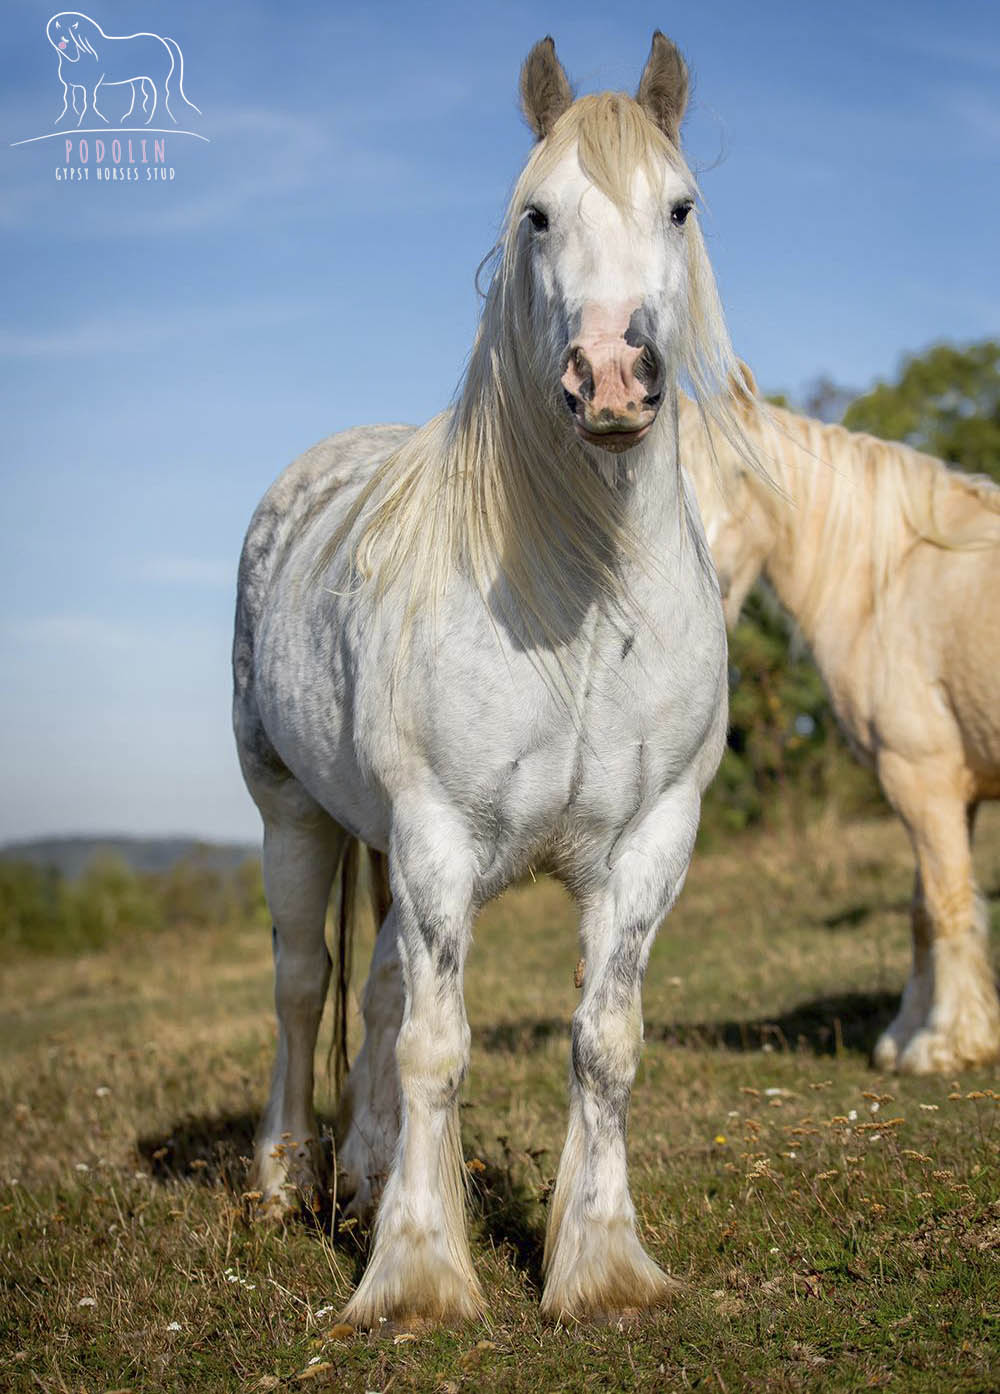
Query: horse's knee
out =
(432, 1057)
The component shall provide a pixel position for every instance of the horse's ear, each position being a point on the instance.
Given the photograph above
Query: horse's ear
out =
(743, 384)
(744, 389)
(663, 87)
(545, 89)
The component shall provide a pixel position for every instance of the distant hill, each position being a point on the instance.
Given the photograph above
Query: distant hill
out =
(72, 855)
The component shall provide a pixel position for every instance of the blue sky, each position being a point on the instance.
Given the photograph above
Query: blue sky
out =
(165, 348)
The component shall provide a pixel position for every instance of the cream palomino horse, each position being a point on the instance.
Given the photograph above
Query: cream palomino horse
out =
(492, 642)
(890, 563)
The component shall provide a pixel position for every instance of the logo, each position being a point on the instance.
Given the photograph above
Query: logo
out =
(98, 74)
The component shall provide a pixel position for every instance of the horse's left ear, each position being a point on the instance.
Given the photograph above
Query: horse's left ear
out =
(744, 384)
(663, 87)
(545, 89)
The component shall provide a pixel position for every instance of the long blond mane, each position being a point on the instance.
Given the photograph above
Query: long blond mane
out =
(851, 494)
(498, 484)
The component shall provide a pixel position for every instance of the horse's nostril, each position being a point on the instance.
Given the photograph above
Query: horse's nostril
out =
(649, 371)
(571, 401)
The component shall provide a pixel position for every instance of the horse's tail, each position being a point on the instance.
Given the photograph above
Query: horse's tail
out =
(364, 876)
(177, 65)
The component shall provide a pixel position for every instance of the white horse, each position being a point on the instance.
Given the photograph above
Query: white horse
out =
(890, 562)
(492, 642)
(89, 59)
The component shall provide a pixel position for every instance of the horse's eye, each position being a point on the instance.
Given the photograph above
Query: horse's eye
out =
(679, 212)
(538, 220)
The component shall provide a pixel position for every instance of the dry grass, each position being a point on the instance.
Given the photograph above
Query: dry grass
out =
(834, 1229)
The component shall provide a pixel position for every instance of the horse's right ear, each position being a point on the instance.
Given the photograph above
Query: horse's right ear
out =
(545, 89)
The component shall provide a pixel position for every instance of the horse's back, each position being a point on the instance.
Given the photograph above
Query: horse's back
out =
(309, 488)
(319, 484)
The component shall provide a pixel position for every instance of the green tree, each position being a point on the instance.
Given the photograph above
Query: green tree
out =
(945, 402)
(785, 756)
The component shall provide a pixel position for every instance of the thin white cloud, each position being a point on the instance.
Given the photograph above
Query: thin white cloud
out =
(189, 571)
(89, 631)
(122, 334)
(942, 48)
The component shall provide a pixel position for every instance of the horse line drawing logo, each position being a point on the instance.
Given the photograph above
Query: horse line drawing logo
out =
(91, 65)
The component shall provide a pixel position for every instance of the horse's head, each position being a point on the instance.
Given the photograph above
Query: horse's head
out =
(604, 217)
(73, 35)
(737, 504)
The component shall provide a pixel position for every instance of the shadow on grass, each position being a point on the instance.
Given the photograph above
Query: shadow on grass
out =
(216, 1150)
(508, 1207)
(209, 1149)
(850, 1021)
(853, 916)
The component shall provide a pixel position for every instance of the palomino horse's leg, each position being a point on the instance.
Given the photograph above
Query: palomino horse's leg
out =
(300, 859)
(594, 1262)
(368, 1126)
(949, 1017)
(420, 1265)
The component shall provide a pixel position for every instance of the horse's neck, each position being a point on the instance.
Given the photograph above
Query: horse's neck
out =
(822, 575)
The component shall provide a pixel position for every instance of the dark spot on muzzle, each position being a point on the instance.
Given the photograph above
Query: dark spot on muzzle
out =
(649, 368)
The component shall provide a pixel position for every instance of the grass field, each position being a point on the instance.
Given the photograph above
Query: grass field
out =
(833, 1228)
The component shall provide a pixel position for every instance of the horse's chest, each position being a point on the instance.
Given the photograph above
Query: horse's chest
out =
(533, 763)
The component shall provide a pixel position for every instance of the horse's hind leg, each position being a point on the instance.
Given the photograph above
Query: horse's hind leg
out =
(949, 1017)
(300, 858)
(65, 105)
(368, 1122)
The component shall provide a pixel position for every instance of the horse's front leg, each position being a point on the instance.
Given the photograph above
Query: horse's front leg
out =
(420, 1265)
(949, 1018)
(594, 1263)
(93, 101)
(65, 105)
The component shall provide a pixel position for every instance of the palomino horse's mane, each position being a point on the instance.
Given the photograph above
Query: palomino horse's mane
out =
(874, 496)
(467, 490)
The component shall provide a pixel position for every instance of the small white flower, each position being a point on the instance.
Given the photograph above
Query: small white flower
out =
(874, 1108)
(874, 1137)
(82, 1166)
(87, 1302)
(173, 1326)
(138, 1176)
(314, 1360)
(323, 1312)
(775, 1250)
(733, 1113)
(13, 1181)
(102, 1091)
(852, 1117)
